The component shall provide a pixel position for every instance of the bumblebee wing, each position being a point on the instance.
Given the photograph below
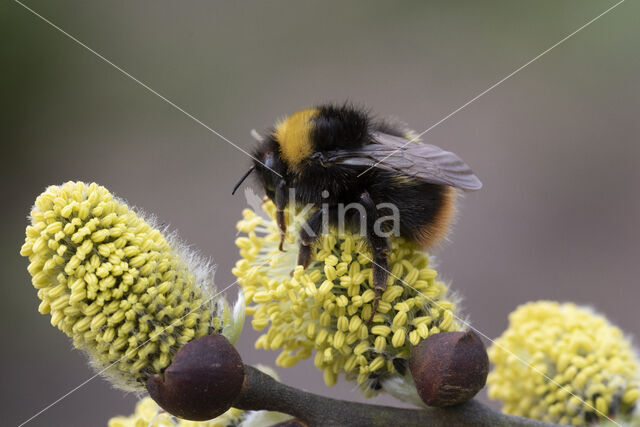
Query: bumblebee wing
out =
(425, 162)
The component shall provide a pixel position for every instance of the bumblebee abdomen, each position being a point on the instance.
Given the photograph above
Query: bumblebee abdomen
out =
(437, 226)
(425, 211)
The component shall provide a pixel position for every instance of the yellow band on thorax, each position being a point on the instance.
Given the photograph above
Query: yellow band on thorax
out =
(294, 136)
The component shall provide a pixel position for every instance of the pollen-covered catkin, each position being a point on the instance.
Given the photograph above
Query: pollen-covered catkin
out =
(123, 291)
(325, 308)
(565, 364)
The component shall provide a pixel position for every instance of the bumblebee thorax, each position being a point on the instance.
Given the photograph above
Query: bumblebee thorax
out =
(294, 136)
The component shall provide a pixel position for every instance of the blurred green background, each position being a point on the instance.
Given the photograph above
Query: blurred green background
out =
(557, 145)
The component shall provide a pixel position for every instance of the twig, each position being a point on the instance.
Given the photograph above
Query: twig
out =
(262, 392)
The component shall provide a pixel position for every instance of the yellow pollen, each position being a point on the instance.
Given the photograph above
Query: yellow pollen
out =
(580, 365)
(326, 306)
(114, 284)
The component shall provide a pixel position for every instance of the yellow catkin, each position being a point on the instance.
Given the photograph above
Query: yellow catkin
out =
(585, 369)
(328, 304)
(124, 293)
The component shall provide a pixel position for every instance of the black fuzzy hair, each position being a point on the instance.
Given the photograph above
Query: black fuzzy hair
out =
(340, 126)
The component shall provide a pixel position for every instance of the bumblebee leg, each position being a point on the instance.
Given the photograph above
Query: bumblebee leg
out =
(308, 234)
(281, 203)
(381, 248)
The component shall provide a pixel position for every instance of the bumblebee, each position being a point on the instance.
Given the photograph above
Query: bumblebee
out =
(334, 156)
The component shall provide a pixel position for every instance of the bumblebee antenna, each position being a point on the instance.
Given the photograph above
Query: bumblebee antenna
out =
(242, 179)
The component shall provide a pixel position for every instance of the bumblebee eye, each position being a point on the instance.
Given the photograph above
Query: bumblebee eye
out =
(269, 161)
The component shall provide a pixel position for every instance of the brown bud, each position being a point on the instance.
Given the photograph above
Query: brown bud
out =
(203, 380)
(449, 368)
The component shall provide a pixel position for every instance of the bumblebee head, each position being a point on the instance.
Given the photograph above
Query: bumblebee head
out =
(267, 163)
(270, 167)
(284, 149)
